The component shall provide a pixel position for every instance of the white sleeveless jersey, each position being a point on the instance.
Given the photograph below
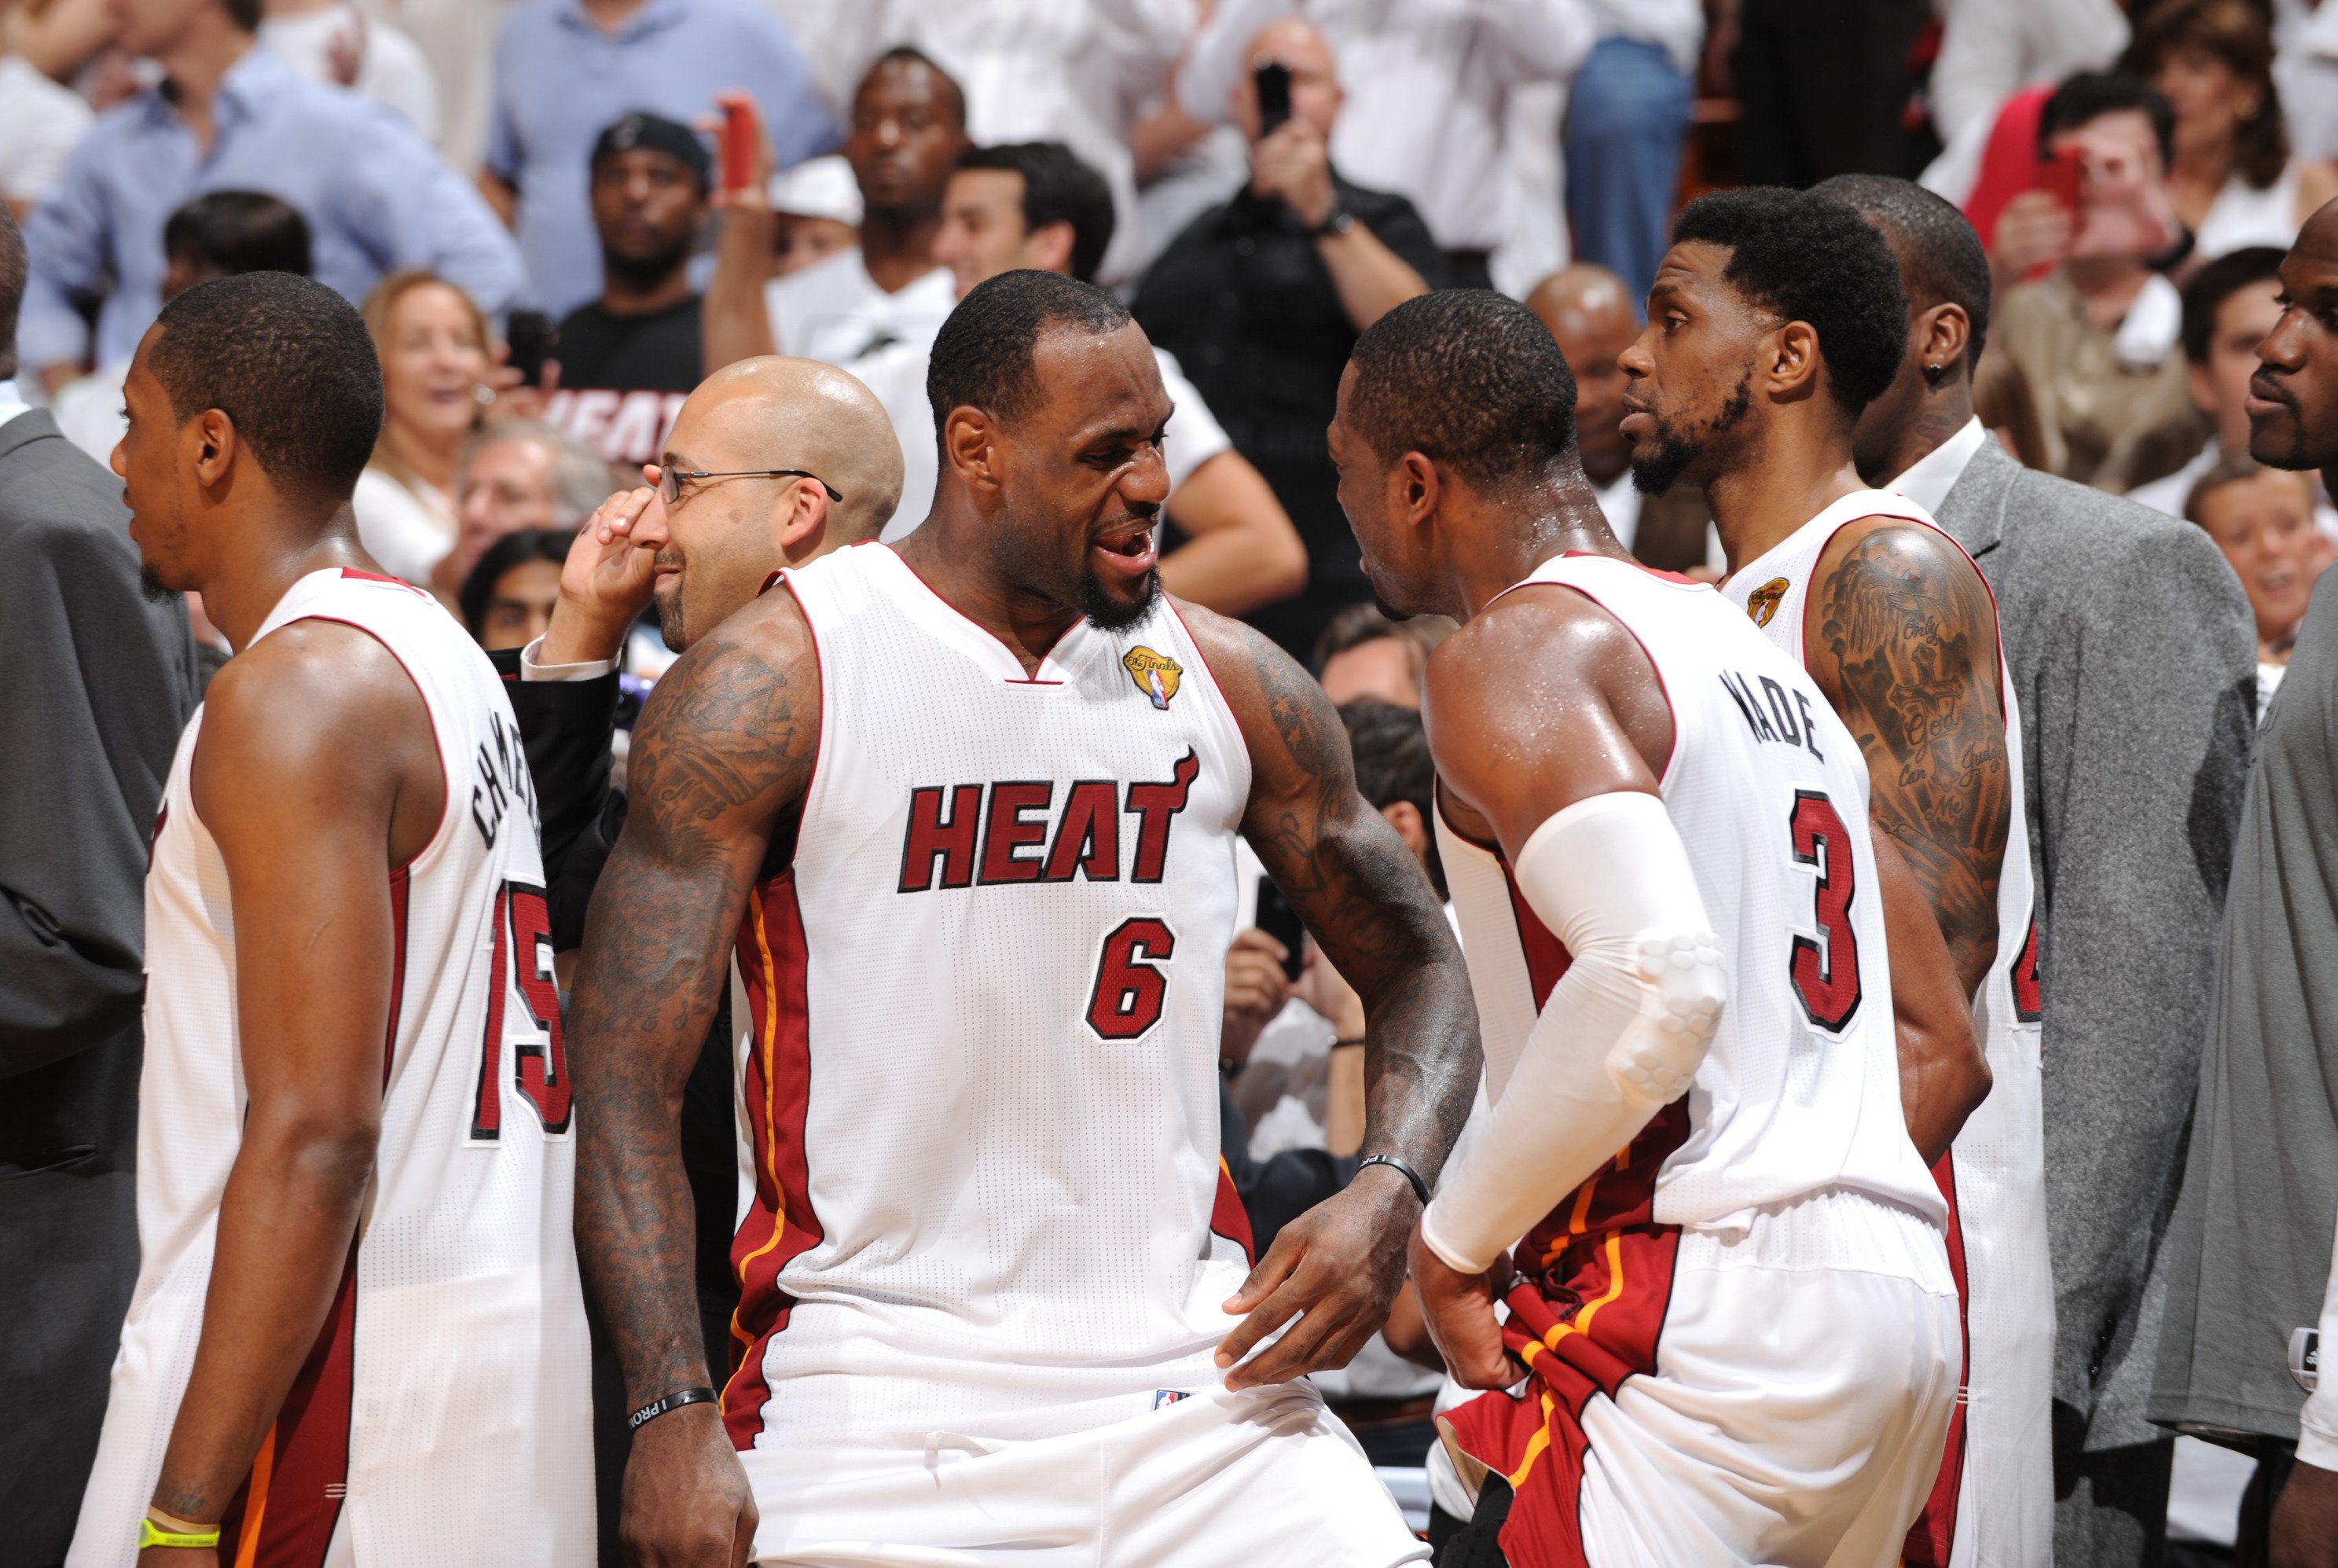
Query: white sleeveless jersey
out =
(2004, 1517)
(1800, 1091)
(985, 973)
(444, 1414)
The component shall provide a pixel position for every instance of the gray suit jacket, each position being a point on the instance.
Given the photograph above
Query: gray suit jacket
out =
(2133, 662)
(100, 682)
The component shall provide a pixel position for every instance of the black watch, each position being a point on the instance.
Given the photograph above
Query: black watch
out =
(1338, 221)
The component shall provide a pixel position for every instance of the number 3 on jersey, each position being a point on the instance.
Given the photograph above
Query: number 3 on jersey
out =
(531, 1028)
(1825, 977)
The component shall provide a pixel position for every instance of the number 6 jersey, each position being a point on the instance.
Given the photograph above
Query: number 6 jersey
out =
(444, 1413)
(986, 968)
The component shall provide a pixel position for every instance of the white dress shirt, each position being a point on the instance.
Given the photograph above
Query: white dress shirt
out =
(1032, 71)
(1929, 478)
(12, 402)
(41, 123)
(1428, 84)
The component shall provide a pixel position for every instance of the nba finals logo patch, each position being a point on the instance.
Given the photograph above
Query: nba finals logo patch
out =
(1155, 675)
(1764, 602)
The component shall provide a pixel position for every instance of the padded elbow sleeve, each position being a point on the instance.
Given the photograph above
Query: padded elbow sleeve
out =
(1611, 879)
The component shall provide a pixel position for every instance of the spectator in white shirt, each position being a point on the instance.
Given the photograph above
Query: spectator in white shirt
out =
(1428, 85)
(907, 129)
(40, 124)
(1032, 71)
(333, 41)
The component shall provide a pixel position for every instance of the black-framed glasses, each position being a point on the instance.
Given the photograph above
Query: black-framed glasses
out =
(670, 479)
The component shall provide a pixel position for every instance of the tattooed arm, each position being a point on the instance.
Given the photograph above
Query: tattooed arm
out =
(1901, 636)
(724, 745)
(1368, 903)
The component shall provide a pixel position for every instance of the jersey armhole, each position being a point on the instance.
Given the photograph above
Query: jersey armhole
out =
(431, 845)
(802, 810)
(1672, 708)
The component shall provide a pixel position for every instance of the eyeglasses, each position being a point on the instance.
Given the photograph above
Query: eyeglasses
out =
(670, 479)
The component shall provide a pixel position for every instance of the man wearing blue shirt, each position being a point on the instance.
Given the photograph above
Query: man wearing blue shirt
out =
(231, 116)
(567, 69)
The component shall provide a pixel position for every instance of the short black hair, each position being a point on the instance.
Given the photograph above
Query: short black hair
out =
(1810, 258)
(511, 550)
(291, 362)
(12, 286)
(2091, 95)
(1058, 188)
(232, 231)
(1941, 261)
(1392, 763)
(1468, 378)
(982, 358)
(910, 54)
(2216, 282)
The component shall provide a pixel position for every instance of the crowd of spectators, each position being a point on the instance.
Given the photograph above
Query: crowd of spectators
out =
(560, 218)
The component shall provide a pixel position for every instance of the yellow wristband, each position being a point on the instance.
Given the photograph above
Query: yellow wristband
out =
(153, 1535)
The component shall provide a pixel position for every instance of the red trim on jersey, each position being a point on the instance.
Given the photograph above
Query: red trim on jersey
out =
(1934, 1534)
(399, 887)
(978, 625)
(1229, 1218)
(1635, 561)
(1595, 1281)
(1547, 957)
(283, 1515)
(820, 670)
(781, 1225)
(378, 577)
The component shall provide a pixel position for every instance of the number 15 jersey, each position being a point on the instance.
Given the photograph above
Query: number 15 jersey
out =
(984, 969)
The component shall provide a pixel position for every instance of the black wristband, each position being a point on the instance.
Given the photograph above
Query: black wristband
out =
(675, 1401)
(1420, 1187)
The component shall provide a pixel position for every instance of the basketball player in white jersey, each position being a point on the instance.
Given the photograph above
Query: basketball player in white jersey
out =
(358, 1334)
(966, 810)
(1775, 318)
(1732, 1299)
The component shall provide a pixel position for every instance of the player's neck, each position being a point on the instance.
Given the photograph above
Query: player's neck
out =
(1757, 504)
(260, 567)
(947, 556)
(1509, 542)
(1934, 422)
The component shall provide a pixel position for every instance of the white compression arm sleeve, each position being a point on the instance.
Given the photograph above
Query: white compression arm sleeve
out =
(1620, 1037)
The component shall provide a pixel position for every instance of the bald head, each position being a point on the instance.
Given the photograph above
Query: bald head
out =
(726, 534)
(785, 413)
(1296, 45)
(1589, 310)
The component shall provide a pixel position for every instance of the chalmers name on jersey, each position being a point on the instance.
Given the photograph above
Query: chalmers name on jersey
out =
(444, 1413)
(984, 969)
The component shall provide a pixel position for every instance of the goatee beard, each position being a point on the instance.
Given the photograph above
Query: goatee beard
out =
(1675, 452)
(1111, 615)
(156, 590)
(643, 273)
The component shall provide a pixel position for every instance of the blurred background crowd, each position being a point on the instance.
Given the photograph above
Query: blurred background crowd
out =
(560, 216)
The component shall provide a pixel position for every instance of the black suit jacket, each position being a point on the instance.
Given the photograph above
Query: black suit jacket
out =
(100, 683)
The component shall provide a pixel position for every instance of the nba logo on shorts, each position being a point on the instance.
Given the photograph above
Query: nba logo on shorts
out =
(1163, 1397)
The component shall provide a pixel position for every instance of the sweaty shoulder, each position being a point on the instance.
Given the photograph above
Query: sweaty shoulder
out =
(321, 709)
(1543, 693)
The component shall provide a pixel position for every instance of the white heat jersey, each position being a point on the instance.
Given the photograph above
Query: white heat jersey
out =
(2003, 1513)
(985, 973)
(1800, 1091)
(444, 1414)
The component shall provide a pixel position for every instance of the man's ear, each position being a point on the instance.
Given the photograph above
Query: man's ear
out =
(1943, 335)
(1419, 486)
(969, 447)
(800, 525)
(1048, 249)
(1794, 365)
(210, 441)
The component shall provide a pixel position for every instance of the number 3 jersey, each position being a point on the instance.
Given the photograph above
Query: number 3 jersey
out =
(443, 1414)
(984, 967)
(1800, 1091)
